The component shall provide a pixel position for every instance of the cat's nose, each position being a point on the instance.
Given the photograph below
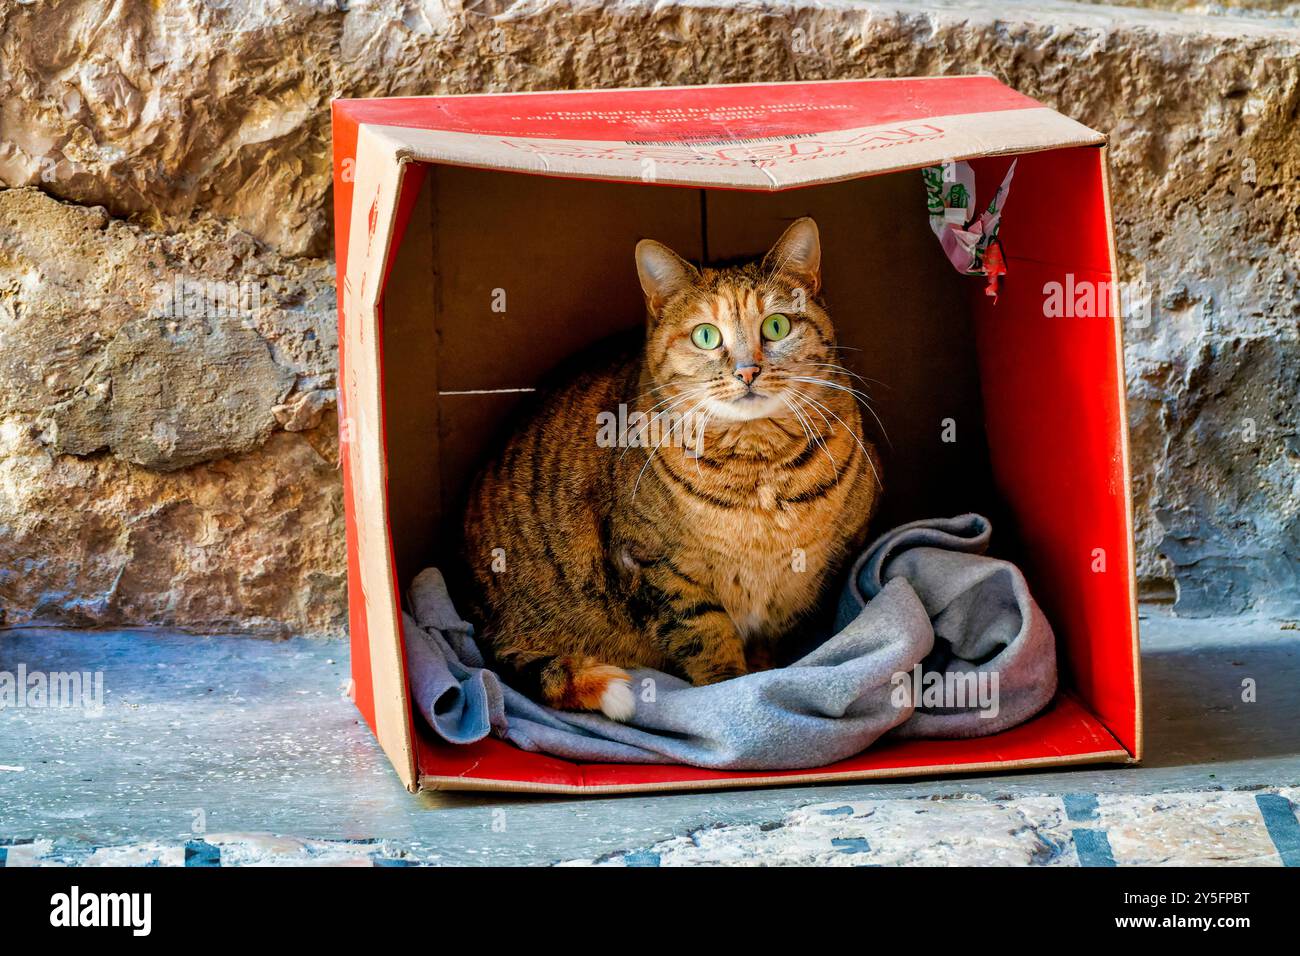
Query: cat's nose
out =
(747, 373)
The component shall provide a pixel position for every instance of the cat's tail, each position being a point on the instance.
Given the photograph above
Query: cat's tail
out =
(569, 682)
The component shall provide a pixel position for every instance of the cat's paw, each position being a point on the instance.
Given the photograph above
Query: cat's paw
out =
(618, 702)
(605, 688)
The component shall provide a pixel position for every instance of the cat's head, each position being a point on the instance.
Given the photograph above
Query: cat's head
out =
(732, 341)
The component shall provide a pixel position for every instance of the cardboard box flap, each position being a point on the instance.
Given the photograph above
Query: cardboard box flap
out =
(379, 174)
(379, 178)
(773, 136)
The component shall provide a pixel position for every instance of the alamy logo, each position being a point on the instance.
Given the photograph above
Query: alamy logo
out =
(1077, 298)
(82, 690)
(75, 908)
(950, 690)
(636, 429)
(189, 298)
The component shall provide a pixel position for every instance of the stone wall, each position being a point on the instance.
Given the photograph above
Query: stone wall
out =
(158, 470)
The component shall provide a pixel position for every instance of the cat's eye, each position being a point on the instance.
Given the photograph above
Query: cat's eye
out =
(706, 336)
(776, 327)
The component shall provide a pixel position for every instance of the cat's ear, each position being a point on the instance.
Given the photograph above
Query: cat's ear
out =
(663, 273)
(798, 254)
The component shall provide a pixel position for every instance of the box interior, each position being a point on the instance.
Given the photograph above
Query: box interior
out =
(1032, 401)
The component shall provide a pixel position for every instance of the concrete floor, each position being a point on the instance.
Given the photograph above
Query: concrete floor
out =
(236, 750)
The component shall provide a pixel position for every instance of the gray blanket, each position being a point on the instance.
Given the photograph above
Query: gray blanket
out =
(932, 639)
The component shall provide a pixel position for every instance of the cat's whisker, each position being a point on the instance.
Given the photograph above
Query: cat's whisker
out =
(799, 418)
(699, 450)
(675, 401)
(852, 434)
(641, 431)
(655, 388)
(648, 458)
(848, 348)
(841, 369)
(780, 424)
(688, 392)
(655, 450)
(806, 401)
(862, 398)
(812, 437)
(857, 392)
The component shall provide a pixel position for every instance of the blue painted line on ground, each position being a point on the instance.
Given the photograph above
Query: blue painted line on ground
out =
(851, 844)
(1094, 847)
(1280, 821)
(641, 858)
(1080, 806)
(201, 853)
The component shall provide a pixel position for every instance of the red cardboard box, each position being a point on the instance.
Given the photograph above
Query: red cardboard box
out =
(445, 204)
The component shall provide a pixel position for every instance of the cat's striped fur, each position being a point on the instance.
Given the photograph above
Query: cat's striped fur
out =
(693, 558)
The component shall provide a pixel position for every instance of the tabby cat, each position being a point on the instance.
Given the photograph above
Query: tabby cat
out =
(691, 549)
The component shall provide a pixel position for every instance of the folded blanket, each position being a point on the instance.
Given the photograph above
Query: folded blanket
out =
(933, 639)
